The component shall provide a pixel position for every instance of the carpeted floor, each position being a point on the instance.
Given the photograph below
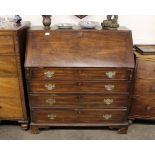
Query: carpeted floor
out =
(136, 131)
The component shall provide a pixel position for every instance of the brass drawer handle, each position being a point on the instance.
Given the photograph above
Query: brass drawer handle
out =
(110, 74)
(51, 116)
(50, 86)
(50, 101)
(148, 108)
(109, 87)
(49, 74)
(153, 89)
(108, 101)
(107, 116)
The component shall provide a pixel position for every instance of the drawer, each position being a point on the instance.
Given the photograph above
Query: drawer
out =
(6, 44)
(145, 69)
(65, 101)
(106, 74)
(53, 74)
(82, 87)
(54, 116)
(80, 74)
(143, 106)
(8, 65)
(78, 116)
(102, 116)
(104, 101)
(77, 101)
(10, 108)
(9, 87)
(143, 87)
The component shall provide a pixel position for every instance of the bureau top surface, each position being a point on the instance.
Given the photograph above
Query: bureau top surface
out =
(79, 48)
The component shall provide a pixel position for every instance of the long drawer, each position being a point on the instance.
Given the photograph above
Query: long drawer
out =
(10, 108)
(8, 65)
(78, 101)
(144, 106)
(9, 87)
(79, 74)
(143, 87)
(78, 116)
(82, 87)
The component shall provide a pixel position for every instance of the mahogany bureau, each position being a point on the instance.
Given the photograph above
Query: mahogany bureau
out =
(79, 78)
(143, 106)
(12, 48)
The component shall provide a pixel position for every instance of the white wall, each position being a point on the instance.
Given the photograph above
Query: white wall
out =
(142, 26)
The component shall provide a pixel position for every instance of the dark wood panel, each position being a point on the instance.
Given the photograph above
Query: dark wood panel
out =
(80, 74)
(80, 49)
(83, 87)
(79, 101)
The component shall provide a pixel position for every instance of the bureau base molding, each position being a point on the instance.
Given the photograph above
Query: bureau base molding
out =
(122, 127)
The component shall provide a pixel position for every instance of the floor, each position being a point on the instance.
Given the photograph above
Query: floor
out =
(136, 131)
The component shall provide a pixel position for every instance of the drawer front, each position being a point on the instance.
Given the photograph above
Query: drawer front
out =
(103, 116)
(6, 44)
(82, 87)
(54, 116)
(9, 87)
(85, 74)
(77, 101)
(8, 65)
(79, 116)
(144, 106)
(10, 108)
(146, 69)
(145, 87)
(53, 74)
(65, 101)
(104, 101)
(106, 74)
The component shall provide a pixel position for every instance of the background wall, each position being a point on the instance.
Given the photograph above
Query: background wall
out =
(142, 26)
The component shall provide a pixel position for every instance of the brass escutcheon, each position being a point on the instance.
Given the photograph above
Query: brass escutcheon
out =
(109, 87)
(110, 74)
(49, 74)
(51, 116)
(50, 86)
(50, 101)
(106, 116)
(108, 101)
